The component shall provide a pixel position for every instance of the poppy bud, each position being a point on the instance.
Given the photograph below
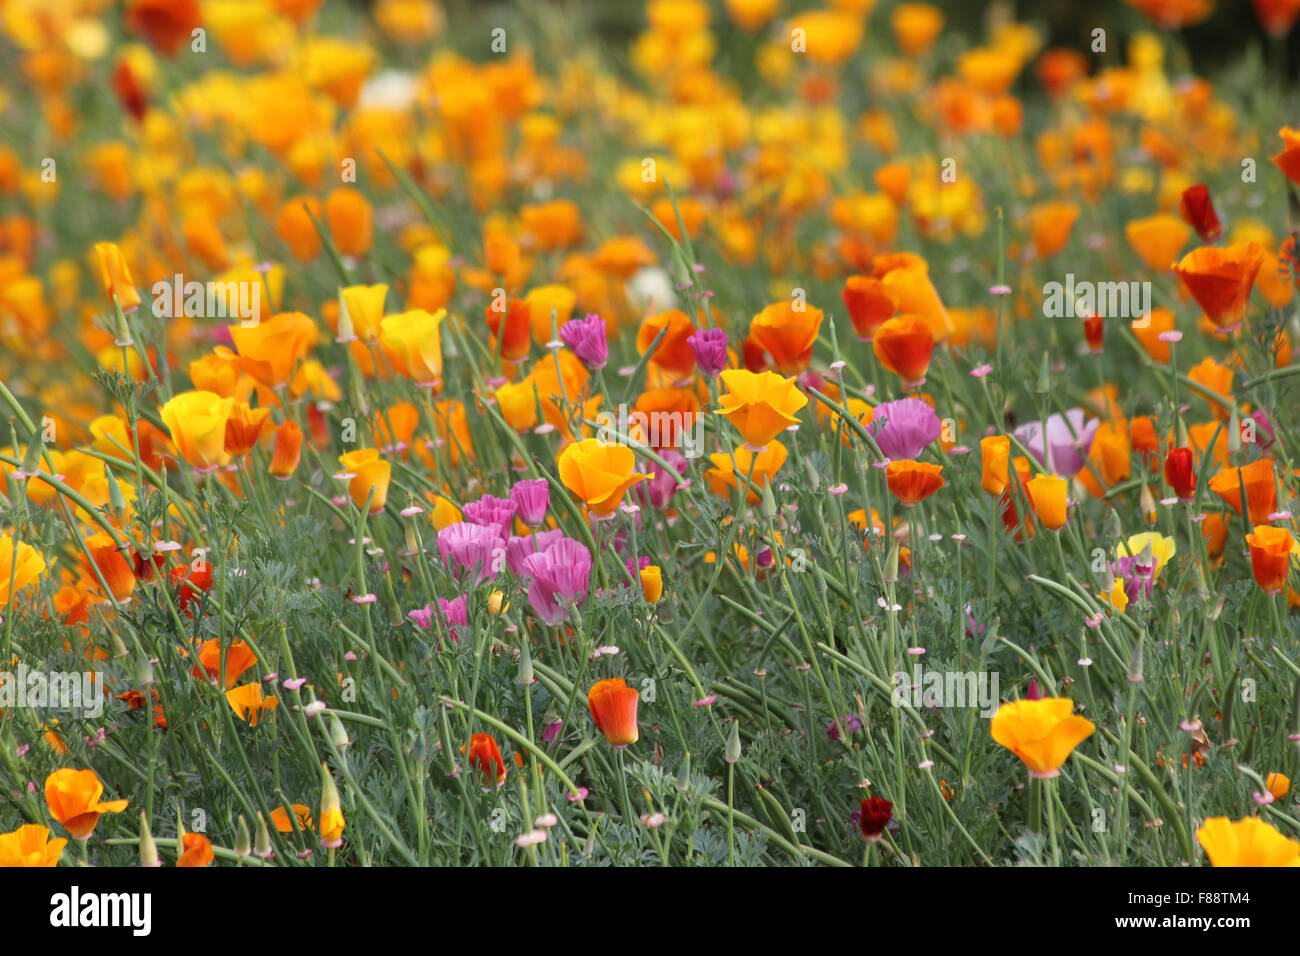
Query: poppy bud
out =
(243, 842)
(338, 736)
(1135, 664)
(732, 752)
(115, 496)
(32, 458)
(148, 849)
(891, 564)
(331, 812)
(262, 847)
(526, 676)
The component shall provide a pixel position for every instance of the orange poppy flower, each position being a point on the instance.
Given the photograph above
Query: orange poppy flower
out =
(1270, 556)
(758, 468)
(1047, 494)
(673, 356)
(485, 757)
(788, 334)
(367, 471)
(412, 343)
(1218, 379)
(115, 277)
(1289, 159)
(913, 481)
(1050, 224)
(598, 473)
(1214, 531)
(916, 26)
(196, 850)
(995, 454)
(350, 220)
(1158, 239)
(239, 658)
(73, 798)
(518, 334)
(30, 845)
(1277, 17)
(760, 405)
(281, 820)
(296, 227)
(869, 304)
(613, 707)
(904, 345)
(1220, 280)
(1259, 490)
(287, 450)
(1149, 328)
(244, 429)
(365, 305)
(166, 24)
(248, 702)
(906, 278)
(269, 350)
(107, 559)
(1043, 733)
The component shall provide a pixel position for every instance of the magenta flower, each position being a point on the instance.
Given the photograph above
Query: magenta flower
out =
(559, 579)
(472, 549)
(658, 490)
(852, 724)
(454, 614)
(491, 512)
(586, 338)
(710, 348)
(904, 428)
(1069, 437)
(520, 547)
(532, 498)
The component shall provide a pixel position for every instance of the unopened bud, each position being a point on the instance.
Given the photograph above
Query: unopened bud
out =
(35, 450)
(148, 849)
(347, 332)
(121, 328)
(144, 671)
(1135, 663)
(683, 781)
(891, 564)
(115, 497)
(262, 848)
(812, 475)
(525, 665)
(732, 753)
(338, 736)
(243, 842)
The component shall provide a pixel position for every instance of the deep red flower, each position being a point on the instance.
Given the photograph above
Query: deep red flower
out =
(129, 92)
(1197, 211)
(876, 814)
(1180, 472)
(190, 584)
